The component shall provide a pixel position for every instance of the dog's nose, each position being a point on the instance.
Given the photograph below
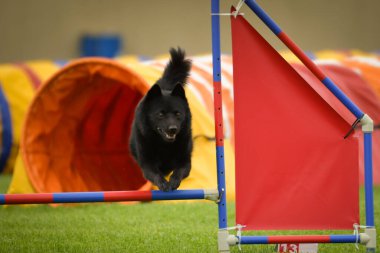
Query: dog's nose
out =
(172, 129)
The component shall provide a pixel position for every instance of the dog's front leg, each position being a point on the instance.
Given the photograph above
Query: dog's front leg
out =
(178, 175)
(156, 178)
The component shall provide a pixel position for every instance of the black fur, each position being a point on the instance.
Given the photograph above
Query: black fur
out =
(161, 138)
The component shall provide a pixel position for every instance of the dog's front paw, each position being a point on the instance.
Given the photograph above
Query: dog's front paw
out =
(164, 186)
(174, 183)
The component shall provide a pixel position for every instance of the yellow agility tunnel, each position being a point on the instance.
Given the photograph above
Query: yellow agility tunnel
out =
(18, 83)
(76, 128)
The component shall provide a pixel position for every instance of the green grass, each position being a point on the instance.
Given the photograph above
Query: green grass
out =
(151, 227)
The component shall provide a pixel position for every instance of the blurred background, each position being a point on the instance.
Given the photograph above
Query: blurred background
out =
(45, 29)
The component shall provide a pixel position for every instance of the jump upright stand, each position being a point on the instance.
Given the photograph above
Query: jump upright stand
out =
(225, 240)
(223, 235)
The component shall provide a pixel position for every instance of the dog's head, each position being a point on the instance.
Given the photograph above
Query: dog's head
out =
(168, 111)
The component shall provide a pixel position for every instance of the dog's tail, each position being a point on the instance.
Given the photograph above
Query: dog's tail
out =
(176, 71)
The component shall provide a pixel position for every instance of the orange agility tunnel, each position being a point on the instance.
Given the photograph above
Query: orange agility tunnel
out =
(80, 124)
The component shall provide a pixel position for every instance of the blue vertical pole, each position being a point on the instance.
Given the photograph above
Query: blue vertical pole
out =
(215, 23)
(368, 181)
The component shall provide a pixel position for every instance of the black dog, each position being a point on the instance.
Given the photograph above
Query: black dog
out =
(161, 139)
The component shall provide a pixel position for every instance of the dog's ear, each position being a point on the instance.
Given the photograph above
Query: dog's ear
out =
(179, 91)
(154, 92)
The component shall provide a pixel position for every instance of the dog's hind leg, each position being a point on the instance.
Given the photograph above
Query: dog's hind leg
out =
(178, 175)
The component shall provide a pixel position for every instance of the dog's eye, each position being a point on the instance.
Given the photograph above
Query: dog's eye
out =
(160, 114)
(178, 114)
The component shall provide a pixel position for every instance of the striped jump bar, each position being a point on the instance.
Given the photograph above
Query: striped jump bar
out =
(269, 22)
(278, 239)
(108, 196)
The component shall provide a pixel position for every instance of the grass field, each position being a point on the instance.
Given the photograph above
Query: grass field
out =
(151, 227)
